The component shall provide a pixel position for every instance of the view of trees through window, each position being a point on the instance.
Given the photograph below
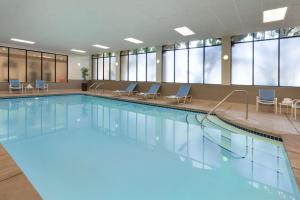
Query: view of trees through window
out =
(193, 62)
(270, 58)
(104, 66)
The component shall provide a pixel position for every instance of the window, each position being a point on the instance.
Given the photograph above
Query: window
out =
(151, 66)
(100, 68)
(196, 65)
(132, 67)
(29, 66)
(290, 62)
(94, 67)
(181, 66)
(61, 68)
(266, 58)
(3, 64)
(106, 68)
(34, 66)
(266, 63)
(168, 66)
(212, 67)
(48, 67)
(113, 69)
(184, 62)
(141, 67)
(138, 64)
(17, 64)
(124, 66)
(242, 64)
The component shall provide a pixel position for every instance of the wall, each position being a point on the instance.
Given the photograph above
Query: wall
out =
(76, 62)
(209, 92)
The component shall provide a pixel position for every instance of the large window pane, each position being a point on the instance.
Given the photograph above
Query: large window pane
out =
(196, 65)
(132, 67)
(141, 67)
(113, 68)
(106, 68)
(48, 67)
(100, 68)
(212, 66)
(290, 62)
(17, 64)
(124, 68)
(34, 66)
(3, 64)
(168, 66)
(266, 63)
(242, 64)
(181, 66)
(61, 68)
(151, 67)
(94, 69)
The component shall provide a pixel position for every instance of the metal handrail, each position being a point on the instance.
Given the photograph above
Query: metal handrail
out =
(92, 85)
(223, 100)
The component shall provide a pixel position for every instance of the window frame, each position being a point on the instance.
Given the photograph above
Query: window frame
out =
(253, 41)
(136, 53)
(26, 64)
(174, 49)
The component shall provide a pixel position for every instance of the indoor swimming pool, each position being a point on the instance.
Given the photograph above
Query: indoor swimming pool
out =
(85, 147)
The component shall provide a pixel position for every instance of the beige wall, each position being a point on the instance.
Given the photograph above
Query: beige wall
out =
(209, 92)
(75, 63)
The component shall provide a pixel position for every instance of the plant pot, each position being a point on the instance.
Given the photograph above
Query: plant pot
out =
(84, 86)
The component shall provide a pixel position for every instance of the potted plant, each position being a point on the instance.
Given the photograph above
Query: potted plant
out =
(84, 74)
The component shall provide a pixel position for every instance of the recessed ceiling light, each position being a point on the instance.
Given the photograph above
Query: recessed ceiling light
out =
(100, 46)
(274, 14)
(185, 31)
(78, 51)
(133, 40)
(22, 41)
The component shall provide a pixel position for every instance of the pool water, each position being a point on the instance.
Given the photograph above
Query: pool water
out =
(83, 147)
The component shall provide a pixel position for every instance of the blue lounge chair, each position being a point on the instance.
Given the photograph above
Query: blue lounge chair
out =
(14, 84)
(152, 92)
(41, 85)
(182, 94)
(129, 90)
(266, 97)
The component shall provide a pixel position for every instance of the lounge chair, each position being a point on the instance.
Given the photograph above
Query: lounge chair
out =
(152, 92)
(266, 97)
(14, 84)
(41, 85)
(129, 90)
(182, 94)
(294, 107)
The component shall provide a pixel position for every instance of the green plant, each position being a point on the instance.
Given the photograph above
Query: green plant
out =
(84, 72)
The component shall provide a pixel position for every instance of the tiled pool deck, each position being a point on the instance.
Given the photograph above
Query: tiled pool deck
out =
(14, 184)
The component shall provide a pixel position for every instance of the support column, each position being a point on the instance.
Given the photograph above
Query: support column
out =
(226, 60)
(159, 64)
(118, 66)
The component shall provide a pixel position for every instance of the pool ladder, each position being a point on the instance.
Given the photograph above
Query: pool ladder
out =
(211, 139)
(224, 99)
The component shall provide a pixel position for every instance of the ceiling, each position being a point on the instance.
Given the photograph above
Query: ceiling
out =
(60, 25)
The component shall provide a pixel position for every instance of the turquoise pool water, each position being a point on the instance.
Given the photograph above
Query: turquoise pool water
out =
(83, 147)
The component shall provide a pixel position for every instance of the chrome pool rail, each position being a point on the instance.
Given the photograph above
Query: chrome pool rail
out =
(224, 99)
(98, 86)
(92, 85)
